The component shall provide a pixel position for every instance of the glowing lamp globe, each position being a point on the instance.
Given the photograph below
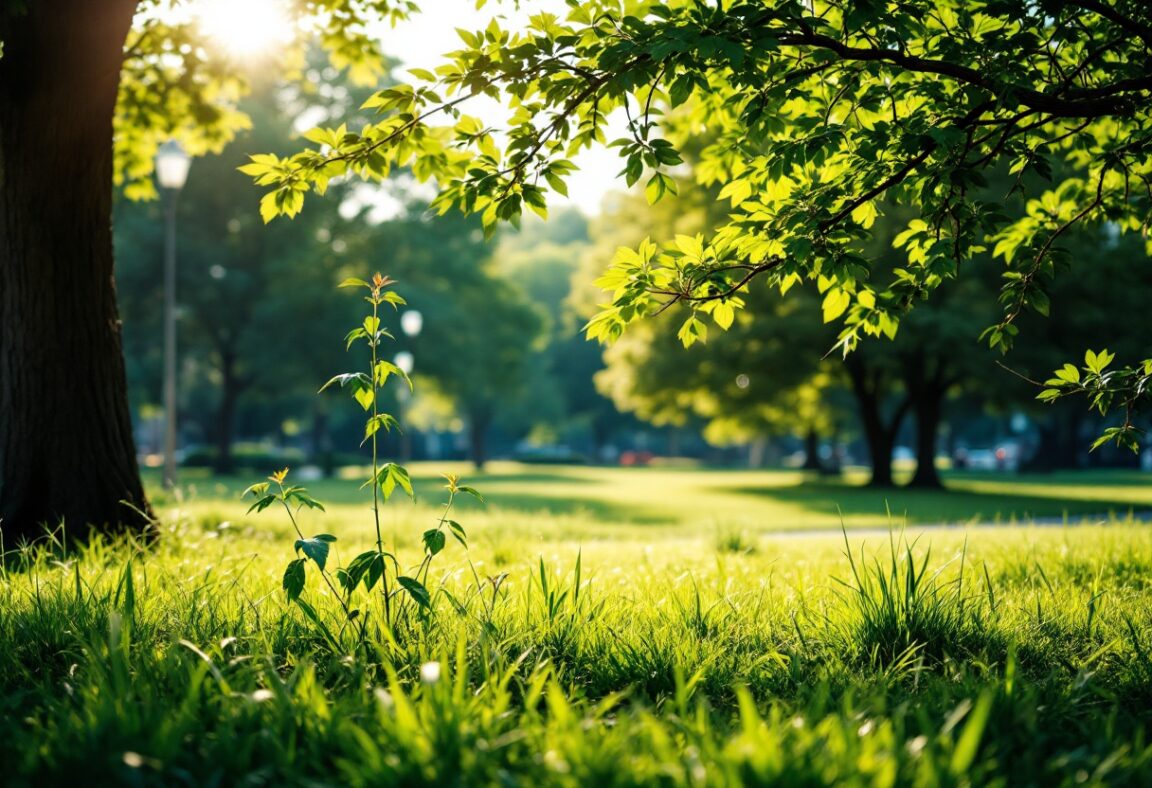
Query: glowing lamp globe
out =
(411, 322)
(172, 165)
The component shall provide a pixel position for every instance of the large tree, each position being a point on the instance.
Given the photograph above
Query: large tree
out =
(820, 111)
(66, 447)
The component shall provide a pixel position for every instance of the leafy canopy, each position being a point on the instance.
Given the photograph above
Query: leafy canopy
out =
(816, 111)
(176, 82)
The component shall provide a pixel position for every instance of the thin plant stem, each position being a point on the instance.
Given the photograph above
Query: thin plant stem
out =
(373, 344)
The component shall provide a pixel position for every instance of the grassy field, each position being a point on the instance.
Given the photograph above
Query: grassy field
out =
(611, 627)
(573, 502)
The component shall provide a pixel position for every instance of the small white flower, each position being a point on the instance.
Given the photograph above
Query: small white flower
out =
(430, 672)
(384, 698)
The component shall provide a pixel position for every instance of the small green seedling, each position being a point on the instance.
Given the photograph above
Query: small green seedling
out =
(378, 566)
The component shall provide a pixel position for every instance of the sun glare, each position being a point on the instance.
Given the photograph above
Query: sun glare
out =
(245, 27)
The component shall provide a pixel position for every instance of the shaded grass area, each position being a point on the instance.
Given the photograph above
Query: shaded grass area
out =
(684, 500)
(638, 655)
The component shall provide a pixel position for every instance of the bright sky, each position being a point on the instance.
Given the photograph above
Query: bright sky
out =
(420, 42)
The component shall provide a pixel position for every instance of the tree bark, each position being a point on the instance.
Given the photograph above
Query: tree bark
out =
(927, 382)
(66, 447)
(321, 449)
(880, 435)
(881, 440)
(928, 411)
(811, 451)
(478, 440)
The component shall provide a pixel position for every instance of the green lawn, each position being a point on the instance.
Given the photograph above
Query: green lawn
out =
(649, 629)
(687, 501)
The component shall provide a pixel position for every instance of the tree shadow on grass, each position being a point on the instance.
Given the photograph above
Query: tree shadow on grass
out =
(950, 505)
(632, 513)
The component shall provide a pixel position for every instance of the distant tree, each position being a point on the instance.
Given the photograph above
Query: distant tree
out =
(1093, 309)
(541, 258)
(776, 344)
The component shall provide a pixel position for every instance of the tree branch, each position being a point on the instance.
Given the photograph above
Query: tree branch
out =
(1118, 19)
(1081, 103)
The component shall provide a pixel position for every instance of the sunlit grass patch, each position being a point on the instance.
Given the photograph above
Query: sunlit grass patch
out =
(574, 651)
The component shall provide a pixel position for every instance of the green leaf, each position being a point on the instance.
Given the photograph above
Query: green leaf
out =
(316, 548)
(737, 191)
(865, 214)
(458, 532)
(391, 475)
(364, 396)
(1096, 362)
(969, 742)
(471, 491)
(723, 314)
(657, 186)
(835, 302)
(260, 488)
(367, 568)
(373, 425)
(262, 504)
(299, 495)
(294, 578)
(416, 590)
(352, 336)
(269, 208)
(434, 541)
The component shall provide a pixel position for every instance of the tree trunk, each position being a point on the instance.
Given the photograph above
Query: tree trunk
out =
(880, 435)
(321, 448)
(66, 446)
(811, 451)
(929, 409)
(881, 441)
(478, 440)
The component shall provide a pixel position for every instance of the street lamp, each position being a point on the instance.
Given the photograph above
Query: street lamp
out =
(171, 172)
(405, 361)
(411, 322)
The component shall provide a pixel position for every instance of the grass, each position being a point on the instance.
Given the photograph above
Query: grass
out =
(684, 644)
(581, 502)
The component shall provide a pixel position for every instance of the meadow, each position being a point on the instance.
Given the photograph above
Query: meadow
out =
(668, 626)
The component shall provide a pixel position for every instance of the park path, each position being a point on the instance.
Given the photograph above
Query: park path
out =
(1083, 521)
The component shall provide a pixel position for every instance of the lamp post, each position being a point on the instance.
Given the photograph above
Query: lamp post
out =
(410, 323)
(171, 172)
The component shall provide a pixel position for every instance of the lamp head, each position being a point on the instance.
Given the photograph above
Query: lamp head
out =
(405, 361)
(411, 322)
(172, 164)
